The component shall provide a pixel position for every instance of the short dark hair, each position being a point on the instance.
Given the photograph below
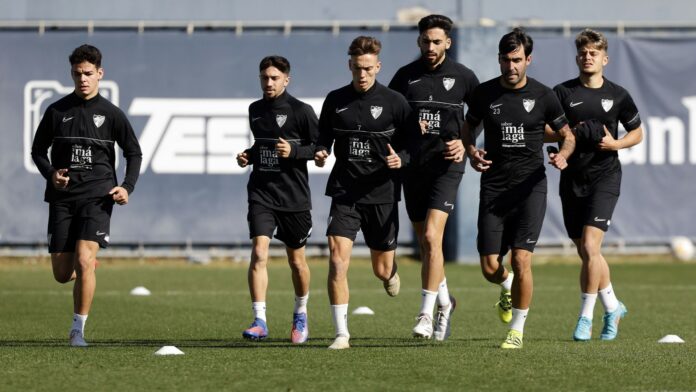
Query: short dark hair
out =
(591, 37)
(364, 45)
(86, 53)
(435, 21)
(515, 38)
(279, 62)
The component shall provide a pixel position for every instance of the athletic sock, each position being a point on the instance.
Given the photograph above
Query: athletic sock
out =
(259, 309)
(608, 298)
(443, 297)
(519, 316)
(507, 283)
(428, 302)
(301, 304)
(339, 314)
(78, 322)
(587, 303)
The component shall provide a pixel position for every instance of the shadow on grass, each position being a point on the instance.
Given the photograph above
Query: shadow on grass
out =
(318, 343)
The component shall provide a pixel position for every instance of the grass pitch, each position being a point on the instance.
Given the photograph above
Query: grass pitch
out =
(203, 309)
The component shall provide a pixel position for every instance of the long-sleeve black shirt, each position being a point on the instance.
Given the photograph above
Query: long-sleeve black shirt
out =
(281, 183)
(82, 134)
(360, 125)
(438, 97)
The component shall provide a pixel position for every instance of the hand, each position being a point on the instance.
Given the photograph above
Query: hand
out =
(283, 148)
(60, 179)
(320, 158)
(558, 161)
(454, 150)
(393, 160)
(423, 126)
(608, 143)
(243, 159)
(478, 162)
(119, 194)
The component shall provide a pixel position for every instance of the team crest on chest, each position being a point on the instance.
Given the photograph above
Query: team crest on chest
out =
(280, 119)
(528, 104)
(607, 104)
(448, 83)
(98, 120)
(376, 111)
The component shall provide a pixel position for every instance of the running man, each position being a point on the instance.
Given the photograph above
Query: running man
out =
(285, 130)
(436, 87)
(590, 186)
(81, 185)
(364, 121)
(514, 110)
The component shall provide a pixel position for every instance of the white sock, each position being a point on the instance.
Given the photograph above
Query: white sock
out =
(259, 309)
(78, 322)
(507, 283)
(340, 319)
(428, 302)
(519, 316)
(443, 297)
(301, 304)
(608, 298)
(587, 303)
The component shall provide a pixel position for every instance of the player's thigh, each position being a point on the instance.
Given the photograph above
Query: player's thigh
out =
(63, 228)
(528, 221)
(95, 218)
(491, 228)
(416, 187)
(443, 192)
(261, 221)
(600, 209)
(294, 228)
(574, 213)
(380, 225)
(344, 220)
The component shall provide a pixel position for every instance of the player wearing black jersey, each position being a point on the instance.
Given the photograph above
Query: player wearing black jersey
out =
(364, 121)
(285, 130)
(514, 110)
(590, 187)
(81, 184)
(437, 88)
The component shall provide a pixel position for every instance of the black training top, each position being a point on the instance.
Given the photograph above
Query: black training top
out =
(436, 96)
(361, 125)
(81, 134)
(609, 104)
(281, 183)
(513, 122)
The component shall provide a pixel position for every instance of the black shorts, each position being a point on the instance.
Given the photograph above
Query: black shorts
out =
(86, 219)
(425, 190)
(594, 210)
(378, 222)
(516, 224)
(293, 227)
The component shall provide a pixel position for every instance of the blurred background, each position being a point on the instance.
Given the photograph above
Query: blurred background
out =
(185, 72)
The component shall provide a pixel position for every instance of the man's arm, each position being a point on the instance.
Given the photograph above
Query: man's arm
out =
(559, 160)
(39, 148)
(630, 139)
(128, 142)
(310, 126)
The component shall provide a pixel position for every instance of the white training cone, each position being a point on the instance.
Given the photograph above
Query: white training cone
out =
(671, 339)
(363, 310)
(169, 350)
(140, 291)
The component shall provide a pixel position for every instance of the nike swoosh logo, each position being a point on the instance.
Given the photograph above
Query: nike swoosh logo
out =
(596, 219)
(66, 119)
(574, 104)
(413, 81)
(340, 110)
(100, 233)
(449, 205)
(255, 118)
(495, 106)
(530, 241)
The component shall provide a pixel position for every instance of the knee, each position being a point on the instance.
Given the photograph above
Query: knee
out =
(297, 263)
(489, 272)
(432, 240)
(590, 250)
(259, 256)
(382, 272)
(338, 267)
(84, 263)
(63, 276)
(521, 266)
